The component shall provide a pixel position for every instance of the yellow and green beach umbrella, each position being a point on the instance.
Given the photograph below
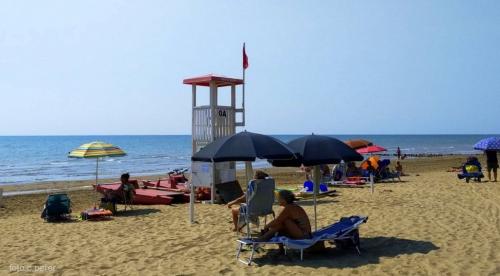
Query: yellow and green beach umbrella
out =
(96, 150)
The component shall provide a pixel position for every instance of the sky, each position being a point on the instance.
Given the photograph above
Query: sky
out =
(328, 67)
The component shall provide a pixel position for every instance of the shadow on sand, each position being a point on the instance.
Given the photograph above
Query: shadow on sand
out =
(372, 249)
(136, 212)
(320, 201)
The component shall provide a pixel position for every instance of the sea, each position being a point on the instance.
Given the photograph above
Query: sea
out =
(30, 159)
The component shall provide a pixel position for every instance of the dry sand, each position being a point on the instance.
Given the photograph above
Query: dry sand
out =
(430, 224)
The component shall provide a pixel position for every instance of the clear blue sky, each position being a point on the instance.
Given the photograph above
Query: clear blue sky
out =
(336, 67)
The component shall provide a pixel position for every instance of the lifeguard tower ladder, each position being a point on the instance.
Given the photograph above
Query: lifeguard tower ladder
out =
(210, 122)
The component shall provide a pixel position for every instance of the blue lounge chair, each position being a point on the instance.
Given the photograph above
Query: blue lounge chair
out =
(57, 207)
(344, 233)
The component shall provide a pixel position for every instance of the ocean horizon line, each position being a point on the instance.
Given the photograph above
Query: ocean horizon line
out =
(272, 134)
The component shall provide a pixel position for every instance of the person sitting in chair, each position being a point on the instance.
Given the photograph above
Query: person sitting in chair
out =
(307, 172)
(473, 163)
(370, 168)
(352, 170)
(292, 222)
(326, 173)
(127, 188)
(242, 199)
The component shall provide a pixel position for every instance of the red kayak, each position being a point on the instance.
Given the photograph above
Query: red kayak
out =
(173, 182)
(141, 196)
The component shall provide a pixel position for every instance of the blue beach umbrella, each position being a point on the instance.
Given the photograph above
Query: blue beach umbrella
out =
(490, 143)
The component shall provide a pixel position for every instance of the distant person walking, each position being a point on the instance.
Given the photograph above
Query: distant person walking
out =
(492, 163)
(398, 152)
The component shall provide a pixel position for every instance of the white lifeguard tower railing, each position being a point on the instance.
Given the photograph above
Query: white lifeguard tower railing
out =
(210, 122)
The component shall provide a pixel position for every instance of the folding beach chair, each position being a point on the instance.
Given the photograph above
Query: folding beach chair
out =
(128, 197)
(383, 172)
(476, 176)
(228, 191)
(57, 207)
(343, 233)
(259, 203)
(471, 169)
(338, 173)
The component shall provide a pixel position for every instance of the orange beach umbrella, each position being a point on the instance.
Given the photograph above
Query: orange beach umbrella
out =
(358, 143)
(373, 160)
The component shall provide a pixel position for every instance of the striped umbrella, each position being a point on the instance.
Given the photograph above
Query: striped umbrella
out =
(96, 150)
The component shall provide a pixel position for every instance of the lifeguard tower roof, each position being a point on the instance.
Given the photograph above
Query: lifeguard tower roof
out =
(220, 81)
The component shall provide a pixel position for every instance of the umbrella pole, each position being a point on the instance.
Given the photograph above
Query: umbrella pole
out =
(317, 180)
(96, 171)
(191, 201)
(372, 187)
(212, 189)
(248, 171)
(96, 179)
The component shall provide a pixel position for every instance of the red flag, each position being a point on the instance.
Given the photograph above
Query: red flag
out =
(245, 58)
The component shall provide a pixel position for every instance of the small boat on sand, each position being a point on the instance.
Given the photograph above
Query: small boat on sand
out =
(143, 196)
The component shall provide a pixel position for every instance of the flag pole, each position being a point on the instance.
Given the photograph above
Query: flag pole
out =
(243, 100)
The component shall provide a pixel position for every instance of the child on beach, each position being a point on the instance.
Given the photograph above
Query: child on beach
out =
(399, 168)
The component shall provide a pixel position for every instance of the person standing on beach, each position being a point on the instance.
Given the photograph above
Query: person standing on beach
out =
(491, 163)
(398, 152)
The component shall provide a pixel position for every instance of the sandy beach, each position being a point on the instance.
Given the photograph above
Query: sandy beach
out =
(430, 224)
(176, 102)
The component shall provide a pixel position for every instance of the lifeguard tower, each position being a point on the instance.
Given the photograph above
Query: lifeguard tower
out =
(210, 122)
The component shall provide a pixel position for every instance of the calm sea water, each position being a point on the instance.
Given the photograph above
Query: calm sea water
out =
(44, 158)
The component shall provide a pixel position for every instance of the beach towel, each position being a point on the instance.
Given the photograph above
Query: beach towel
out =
(96, 214)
